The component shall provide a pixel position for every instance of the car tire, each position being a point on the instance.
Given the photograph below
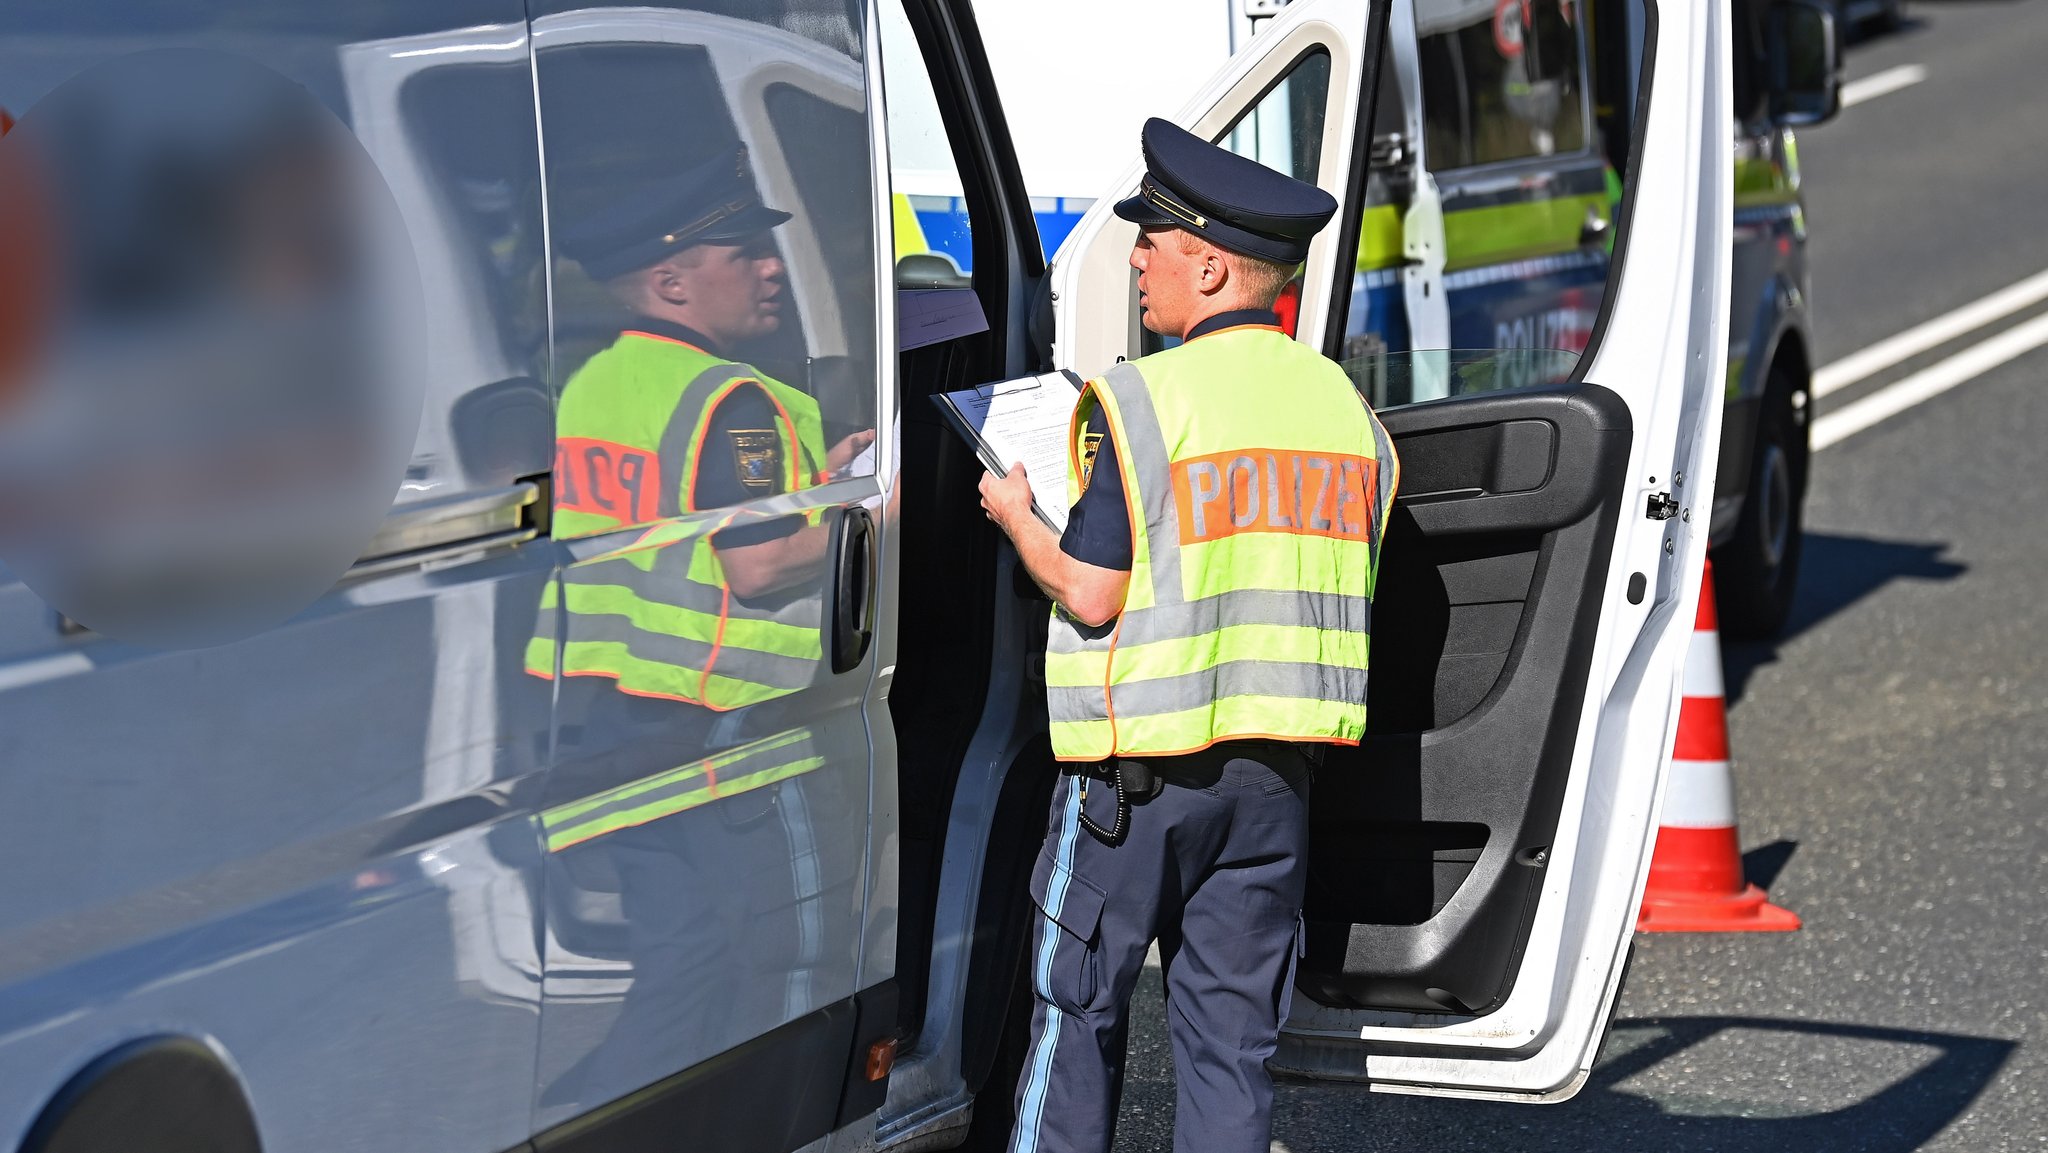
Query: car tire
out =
(1757, 571)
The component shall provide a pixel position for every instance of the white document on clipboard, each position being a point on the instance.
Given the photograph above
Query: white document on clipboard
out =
(1021, 421)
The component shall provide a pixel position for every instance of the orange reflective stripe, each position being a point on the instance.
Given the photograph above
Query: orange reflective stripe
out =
(703, 430)
(793, 450)
(662, 339)
(796, 446)
(1247, 328)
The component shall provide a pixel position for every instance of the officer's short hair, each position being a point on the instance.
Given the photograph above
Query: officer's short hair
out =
(1259, 279)
(630, 288)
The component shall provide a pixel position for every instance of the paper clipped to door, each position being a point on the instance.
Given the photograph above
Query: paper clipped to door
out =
(1021, 421)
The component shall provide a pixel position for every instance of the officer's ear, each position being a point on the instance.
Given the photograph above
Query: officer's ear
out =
(1214, 272)
(667, 283)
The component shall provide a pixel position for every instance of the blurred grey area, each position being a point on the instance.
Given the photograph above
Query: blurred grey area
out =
(216, 401)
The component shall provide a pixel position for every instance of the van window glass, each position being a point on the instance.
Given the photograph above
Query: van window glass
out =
(1473, 280)
(465, 121)
(1284, 130)
(830, 172)
(711, 215)
(433, 94)
(1500, 81)
(933, 228)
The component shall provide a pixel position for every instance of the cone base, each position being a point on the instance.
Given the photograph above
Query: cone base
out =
(1748, 911)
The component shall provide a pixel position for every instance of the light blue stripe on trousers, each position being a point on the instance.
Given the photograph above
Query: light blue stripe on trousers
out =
(1032, 1109)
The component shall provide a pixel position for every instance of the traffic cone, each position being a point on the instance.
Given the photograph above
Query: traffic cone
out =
(1696, 883)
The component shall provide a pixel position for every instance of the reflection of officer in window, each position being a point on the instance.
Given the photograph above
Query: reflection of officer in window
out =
(663, 423)
(714, 859)
(694, 260)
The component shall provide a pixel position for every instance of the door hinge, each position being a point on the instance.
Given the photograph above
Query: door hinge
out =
(1662, 506)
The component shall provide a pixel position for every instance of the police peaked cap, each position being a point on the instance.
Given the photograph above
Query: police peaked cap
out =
(635, 228)
(1227, 199)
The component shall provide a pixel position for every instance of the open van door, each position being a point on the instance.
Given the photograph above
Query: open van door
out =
(1477, 862)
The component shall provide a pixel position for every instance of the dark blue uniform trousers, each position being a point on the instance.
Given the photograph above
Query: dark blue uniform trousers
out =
(1213, 866)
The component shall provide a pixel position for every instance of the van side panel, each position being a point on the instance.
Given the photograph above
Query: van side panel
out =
(312, 850)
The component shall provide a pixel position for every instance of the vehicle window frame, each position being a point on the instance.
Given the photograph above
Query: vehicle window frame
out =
(1351, 213)
(1507, 168)
(744, 105)
(922, 79)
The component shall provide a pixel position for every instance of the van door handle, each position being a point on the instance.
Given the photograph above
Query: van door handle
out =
(853, 587)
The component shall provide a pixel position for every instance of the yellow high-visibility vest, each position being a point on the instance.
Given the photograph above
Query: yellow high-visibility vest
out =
(657, 615)
(1258, 483)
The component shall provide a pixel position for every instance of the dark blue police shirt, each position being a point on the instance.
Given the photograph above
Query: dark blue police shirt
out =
(718, 483)
(1099, 527)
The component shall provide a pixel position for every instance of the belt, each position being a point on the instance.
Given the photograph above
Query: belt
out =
(1145, 778)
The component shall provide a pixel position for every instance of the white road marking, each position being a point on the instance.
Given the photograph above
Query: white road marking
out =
(1882, 84)
(1939, 331)
(1929, 382)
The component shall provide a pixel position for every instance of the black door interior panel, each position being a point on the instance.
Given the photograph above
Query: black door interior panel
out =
(1429, 840)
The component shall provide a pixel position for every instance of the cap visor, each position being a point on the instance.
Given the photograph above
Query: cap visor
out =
(1139, 211)
(759, 218)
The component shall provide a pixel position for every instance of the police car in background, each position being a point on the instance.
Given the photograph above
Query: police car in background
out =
(1501, 150)
(383, 875)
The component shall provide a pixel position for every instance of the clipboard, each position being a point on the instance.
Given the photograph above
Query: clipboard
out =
(1026, 420)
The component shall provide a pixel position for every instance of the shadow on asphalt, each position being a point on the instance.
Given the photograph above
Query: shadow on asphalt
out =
(1834, 573)
(1872, 33)
(1901, 1116)
(1761, 865)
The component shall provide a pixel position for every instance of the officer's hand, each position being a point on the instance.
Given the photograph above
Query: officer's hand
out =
(840, 455)
(1006, 498)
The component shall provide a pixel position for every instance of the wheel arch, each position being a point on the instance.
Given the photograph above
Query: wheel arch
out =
(168, 1093)
(1791, 350)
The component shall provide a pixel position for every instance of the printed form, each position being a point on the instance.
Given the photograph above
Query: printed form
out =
(1021, 421)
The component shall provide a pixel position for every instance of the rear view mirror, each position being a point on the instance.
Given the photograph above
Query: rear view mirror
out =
(1802, 62)
(930, 270)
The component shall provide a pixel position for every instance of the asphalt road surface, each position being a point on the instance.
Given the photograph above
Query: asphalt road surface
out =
(1891, 748)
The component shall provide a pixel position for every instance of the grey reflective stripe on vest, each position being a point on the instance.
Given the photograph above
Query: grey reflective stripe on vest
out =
(1225, 609)
(662, 585)
(677, 438)
(1383, 497)
(1148, 446)
(694, 656)
(666, 584)
(1160, 695)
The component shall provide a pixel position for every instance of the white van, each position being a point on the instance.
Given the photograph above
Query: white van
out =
(408, 871)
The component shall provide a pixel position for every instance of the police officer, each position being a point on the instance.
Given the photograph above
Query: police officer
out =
(703, 619)
(664, 423)
(1212, 603)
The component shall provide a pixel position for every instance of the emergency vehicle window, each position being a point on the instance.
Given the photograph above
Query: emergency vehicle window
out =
(1500, 82)
(829, 174)
(1284, 132)
(755, 141)
(933, 228)
(464, 121)
(1470, 280)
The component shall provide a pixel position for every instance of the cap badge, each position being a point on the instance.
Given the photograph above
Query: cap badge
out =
(1167, 204)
